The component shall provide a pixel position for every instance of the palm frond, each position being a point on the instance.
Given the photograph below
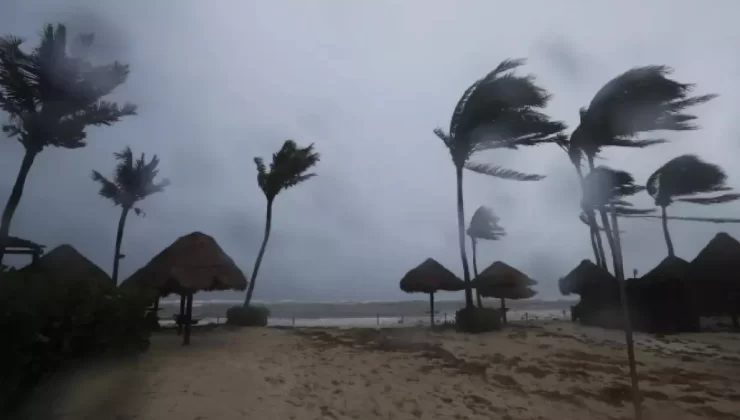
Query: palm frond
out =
(134, 179)
(720, 199)
(503, 173)
(287, 169)
(604, 186)
(686, 176)
(718, 220)
(485, 225)
(108, 189)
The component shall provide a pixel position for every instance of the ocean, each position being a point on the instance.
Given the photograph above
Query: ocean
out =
(362, 314)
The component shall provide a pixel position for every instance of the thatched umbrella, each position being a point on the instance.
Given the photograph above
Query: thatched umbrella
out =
(65, 263)
(714, 276)
(598, 289)
(430, 277)
(193, 263)
(503, 281)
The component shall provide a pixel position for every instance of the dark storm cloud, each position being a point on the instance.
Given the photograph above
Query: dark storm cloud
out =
(218, 83)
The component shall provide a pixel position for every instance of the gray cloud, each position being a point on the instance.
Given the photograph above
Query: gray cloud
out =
(219, 83)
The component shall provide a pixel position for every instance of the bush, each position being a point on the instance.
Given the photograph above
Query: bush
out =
(247, 316)
(47, 321)
(477, 320)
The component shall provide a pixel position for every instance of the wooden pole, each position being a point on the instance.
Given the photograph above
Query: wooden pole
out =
(181, 314)
(619, 271)
(188, 319)
(431, 310)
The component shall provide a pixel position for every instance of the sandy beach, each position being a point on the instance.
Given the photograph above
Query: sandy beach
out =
(536, 370)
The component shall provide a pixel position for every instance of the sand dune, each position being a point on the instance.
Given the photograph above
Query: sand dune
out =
(540, 370)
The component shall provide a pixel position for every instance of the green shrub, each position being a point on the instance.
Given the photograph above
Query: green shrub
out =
(477, 320)
(47, 321)
(247, 316)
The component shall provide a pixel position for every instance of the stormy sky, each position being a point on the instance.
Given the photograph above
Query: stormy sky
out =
(220, 82)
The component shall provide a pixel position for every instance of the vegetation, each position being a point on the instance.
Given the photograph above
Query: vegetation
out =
(133, 181)
(48, 320)
(483, 225)
(682, 179)
(289, 167)
(498, 111)
(51, 98)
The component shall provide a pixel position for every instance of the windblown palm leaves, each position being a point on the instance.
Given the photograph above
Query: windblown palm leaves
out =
(133, 181)
(691, 180)
(51, 98)
(289, 167)
(498, 111)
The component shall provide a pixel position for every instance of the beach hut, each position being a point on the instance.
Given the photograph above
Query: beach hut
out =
(599, 291)
(193, 263)
(661, 301)
(18, 246)
(65, 263)
(503, 281)
(715, 277)
(431, 277)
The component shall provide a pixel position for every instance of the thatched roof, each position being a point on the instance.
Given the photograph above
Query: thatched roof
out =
(193, 262)
(66, 263)
(501, 280)
(586, 274)
(671, 267)
(430, 277)
(723, 250)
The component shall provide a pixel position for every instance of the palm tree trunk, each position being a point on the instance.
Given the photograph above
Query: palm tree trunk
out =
(594, 228)
(605, 222)
(119, 239)
(503, 311)
(431, 309)
(461, 237)
(268, 227)
(15, 198)
(594, 246)
(473, 244)
(666, 234)
(619, 273)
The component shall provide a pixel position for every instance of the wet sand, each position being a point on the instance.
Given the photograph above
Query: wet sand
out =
(537, 370)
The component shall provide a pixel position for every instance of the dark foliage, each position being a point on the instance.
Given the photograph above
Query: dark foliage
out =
(133, 180)
(477, 320)
(485, 225)
(685, 177)
(47, 321)
(247, 316)
(287, 169)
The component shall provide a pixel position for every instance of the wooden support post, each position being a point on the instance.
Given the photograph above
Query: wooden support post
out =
(181, 315)
(188, 320)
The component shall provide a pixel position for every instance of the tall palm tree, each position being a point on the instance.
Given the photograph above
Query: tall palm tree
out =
(51, 98)
(483, 225)
(288, 168)
(133, 181)
(499, 111)
(640, 100)
(681, 179)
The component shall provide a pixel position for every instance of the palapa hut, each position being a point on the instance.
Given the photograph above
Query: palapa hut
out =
(193, 263)
(18, 246)
(431, 277)
(64, 263)
(599, 292)
(661, 301)
(715, 277)
(503, 281)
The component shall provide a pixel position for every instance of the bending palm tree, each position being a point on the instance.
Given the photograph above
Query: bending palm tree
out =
(288, 169)
(498, 111)
(51, 99)
(641, 100)
(483, 225)
(681, 179)
(133, 181)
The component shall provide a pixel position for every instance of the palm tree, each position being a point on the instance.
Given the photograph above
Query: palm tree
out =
(288, 168)
(483, 225)
(51, 98)
(681, 179)
(133, 181)
(499, 111)
(640, 100)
